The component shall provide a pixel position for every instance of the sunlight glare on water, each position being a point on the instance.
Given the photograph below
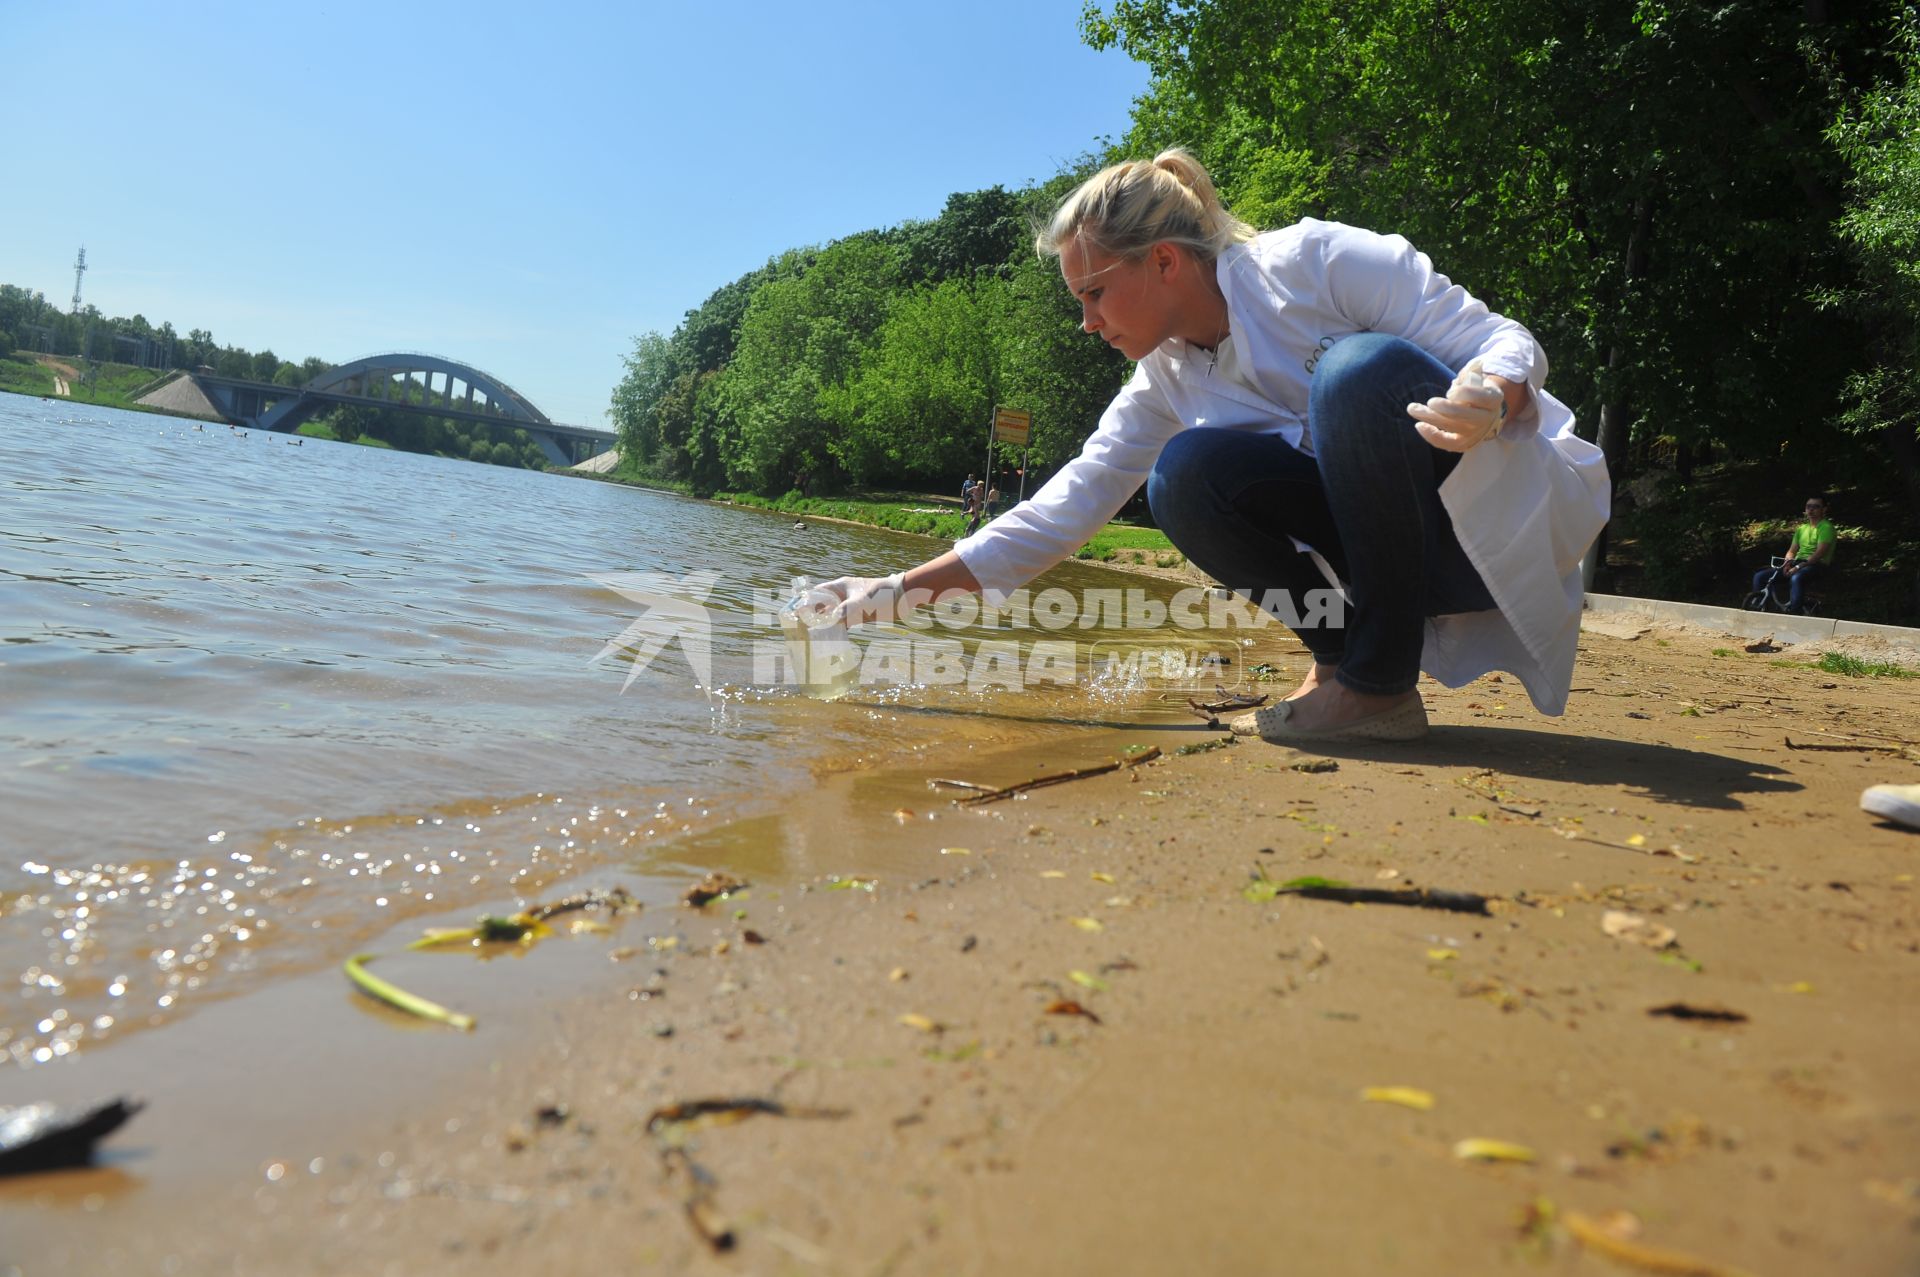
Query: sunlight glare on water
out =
(259, 702)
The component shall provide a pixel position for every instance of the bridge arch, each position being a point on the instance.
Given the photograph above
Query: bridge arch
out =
(379, 376)
(404, 380)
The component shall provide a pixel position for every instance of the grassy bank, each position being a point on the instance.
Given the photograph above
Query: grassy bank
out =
(114, 387)
(940, 517)
(919, 513)
(325, 430)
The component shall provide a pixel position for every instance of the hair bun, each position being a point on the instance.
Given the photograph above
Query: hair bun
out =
(1127, 206)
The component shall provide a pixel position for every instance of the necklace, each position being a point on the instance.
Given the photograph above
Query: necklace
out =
(1226, 322)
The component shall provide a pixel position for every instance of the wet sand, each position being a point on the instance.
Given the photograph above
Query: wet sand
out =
(941, 1120)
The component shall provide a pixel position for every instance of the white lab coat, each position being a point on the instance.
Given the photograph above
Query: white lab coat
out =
(1526, 506)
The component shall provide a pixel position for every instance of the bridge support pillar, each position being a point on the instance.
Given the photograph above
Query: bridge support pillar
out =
(549, 447)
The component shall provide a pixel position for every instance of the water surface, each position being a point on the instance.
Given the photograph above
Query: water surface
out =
(260, 701)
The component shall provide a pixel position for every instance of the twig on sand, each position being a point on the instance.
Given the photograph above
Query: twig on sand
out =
(1417, 897)
(671, 1124)
(1041, 782)
(1228, 702)
(937, 781)
(1851, 748)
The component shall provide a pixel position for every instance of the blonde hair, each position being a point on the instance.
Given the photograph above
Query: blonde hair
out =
(1123, 210)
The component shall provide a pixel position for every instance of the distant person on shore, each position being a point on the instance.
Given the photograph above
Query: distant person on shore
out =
(974, 506)
(1809, 555)
(966, 493)
(993, 502)
(1313, 395)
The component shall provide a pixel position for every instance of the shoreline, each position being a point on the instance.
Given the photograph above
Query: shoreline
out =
(1184, 572)
(985, 1128)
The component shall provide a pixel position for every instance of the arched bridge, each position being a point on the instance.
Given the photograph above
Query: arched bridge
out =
(431, 385)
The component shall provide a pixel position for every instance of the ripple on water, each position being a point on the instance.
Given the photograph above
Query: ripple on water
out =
(258, 705)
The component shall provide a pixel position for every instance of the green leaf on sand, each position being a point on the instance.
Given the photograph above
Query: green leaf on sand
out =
(395, 996)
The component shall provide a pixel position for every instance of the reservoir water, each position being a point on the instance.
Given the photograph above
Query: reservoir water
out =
(260, 702)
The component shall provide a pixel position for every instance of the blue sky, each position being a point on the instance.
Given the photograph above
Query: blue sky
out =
(523, 187)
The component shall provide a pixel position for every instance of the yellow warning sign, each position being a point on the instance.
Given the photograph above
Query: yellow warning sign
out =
(1012, 425)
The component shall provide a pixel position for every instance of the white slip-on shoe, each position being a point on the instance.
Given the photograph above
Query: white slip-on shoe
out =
(1898, 803)
(1405, 721)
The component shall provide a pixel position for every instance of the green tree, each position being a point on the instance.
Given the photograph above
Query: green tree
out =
(923, 394)
(801, 338)
(199, 350)
(504, 454)
(1646, 185)
(1880, 138)
(650, 370)
(976, 231)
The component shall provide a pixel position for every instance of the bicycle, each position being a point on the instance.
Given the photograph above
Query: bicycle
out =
(1773, 594)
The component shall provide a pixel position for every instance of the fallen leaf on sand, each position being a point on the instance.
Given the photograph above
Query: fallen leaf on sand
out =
(1089, 924)
(1483, 1150)
(914, 1020)
(1596, 1237)
(1067, 1006)
(956, 851)
(1406, 1096)
(897, 974)
(1691, 1011)
(1903, 1194)
(1622, 925)
(395, 996)
(1798, 986)
(1097, 876)
(714, 886)
(1442, 955)
(1086, 981)
(1051, 873)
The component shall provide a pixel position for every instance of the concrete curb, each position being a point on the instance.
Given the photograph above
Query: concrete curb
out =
(1733, 620)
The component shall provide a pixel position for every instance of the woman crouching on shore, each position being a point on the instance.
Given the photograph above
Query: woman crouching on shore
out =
(1307, 396)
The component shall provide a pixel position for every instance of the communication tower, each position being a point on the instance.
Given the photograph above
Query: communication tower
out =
(79, 269)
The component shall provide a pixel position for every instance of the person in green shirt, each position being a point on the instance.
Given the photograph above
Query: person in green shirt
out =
(1809, 555)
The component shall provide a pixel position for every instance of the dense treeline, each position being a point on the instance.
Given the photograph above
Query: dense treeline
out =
(876, 358)
(91, 335)
(1710, 214)
(437, 436)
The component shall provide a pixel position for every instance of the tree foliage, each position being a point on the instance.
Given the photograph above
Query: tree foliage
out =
(1649, 186)
(875, 359)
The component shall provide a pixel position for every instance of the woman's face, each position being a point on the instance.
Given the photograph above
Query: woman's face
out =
(1120, 301)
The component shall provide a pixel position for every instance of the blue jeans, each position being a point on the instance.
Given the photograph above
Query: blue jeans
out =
(1368, 500)
(1796, 583)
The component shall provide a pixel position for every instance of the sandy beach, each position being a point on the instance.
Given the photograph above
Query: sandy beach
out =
(1084, 1030)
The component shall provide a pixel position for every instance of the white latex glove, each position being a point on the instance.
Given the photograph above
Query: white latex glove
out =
(1472, 411)
(860, 599)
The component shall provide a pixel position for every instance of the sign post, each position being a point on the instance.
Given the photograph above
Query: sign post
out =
(1014, 426)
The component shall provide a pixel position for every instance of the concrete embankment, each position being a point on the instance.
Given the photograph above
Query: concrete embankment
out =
(602, 464)
(183, 398)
